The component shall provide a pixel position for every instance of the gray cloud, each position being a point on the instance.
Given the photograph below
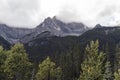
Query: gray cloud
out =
(29, 13)
(19, 12)
(109, 15)
(108, 10)
(69, 14)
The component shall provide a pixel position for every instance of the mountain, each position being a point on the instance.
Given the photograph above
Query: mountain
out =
(49, 45)
(5, 44)
(56, 28)
(11, 34)
(104, 34)
(67, 51)
(52, 26)
(98, 26)
(109, 39)
(60, 28)
(35, 35)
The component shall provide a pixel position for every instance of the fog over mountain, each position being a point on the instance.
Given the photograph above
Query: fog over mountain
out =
(29, 13)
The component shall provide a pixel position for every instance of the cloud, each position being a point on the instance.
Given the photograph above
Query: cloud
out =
(68, 14)
(19, 12)
(109, 14)
(92, 12)
(29, 13)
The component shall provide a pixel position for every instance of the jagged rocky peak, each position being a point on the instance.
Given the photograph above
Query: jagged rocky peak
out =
(46, 23)
(53, 25)
(55, 18)
(48, 19)
(12, 34)
(58, 27)
(4, 26)
(98, 26)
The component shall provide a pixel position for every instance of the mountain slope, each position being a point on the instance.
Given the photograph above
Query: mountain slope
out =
(105, 34)
(13, 35)
(5, 44)
(60, 28)
(49, 45)
(56, 28)
(45, 46)
(52, 25)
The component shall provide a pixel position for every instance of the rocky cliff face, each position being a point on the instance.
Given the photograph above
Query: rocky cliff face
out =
(60, 28)
(50, 26)
(13, 35)
(56, 27)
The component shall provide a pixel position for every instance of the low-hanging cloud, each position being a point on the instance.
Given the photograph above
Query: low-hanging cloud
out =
(69, 14)
(29, 13)
(19, 12)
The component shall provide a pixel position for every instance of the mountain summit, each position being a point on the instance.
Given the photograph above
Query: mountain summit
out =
(61, 28)
(53, 27)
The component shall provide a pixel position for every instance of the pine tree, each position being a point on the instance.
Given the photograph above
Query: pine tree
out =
(117, 59)
(17, 65)
(117, 64)
(108, 75)
(48, 71)
(70, 62)
(93, 63)
(3, 56)
(117, 75)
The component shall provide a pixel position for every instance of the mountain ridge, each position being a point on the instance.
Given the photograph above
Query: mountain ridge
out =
(49, 45)
(52, 25)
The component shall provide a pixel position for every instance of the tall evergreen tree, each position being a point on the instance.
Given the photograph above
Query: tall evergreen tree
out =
(93, 63)
(117, 59)
(117, 75)
(108, 74)
(48, 71)
(117, 64)
(70, 62)
(17, 65)
(3, 56)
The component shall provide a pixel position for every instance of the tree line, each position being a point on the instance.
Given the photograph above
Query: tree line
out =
(95, 64)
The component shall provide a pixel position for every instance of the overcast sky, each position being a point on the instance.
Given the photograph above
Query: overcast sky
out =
(29, 13)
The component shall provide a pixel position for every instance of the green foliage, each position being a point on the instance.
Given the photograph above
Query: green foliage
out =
(117, 59)
(70, 62)
(93, 63)
(3, 56)
(117, 64)
(108, 74)
(67, 52)
(48, 71)
(117, 75)
(17, 65)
